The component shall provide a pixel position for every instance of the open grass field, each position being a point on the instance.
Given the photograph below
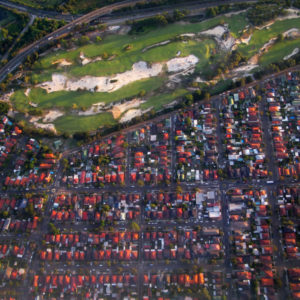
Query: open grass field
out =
(65, 99)
(279, 51)
(71, 124)
(158, 101)
(261, 37)
(114, 45)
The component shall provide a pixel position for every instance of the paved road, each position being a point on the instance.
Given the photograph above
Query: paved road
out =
(38, 12)
(18, 59)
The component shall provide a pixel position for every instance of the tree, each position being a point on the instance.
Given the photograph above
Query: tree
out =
(178, 189)
(135, 226)
(140, 183)
(207, 96)
(4, 107)
(105, 55)
(189, 98)
(280, 37)
(142, 93)
(53, 229)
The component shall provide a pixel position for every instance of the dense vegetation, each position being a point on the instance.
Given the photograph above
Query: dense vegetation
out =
(11, 24)
(260, 13)
(144, 25)
(36, 31)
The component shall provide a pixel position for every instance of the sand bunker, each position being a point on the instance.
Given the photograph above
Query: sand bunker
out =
(291, 14)
(188, 35)
(130, 114)
(52, 115)
(140, 70)
(85, 60)
(113, 28)
(292, 33)
(246, 39)
(27, 92)
(294, 52)
(118, 110)
(222, 35)
(49, 126)
(62, 62)
(216, 32)
(6, 97)
(182, 63)
(93, 110)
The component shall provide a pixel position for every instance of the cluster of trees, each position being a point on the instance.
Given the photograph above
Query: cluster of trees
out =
(156, 22)
(229, 62)
(261, 13)
(39, 28)
(296, 3)
(79, 6)
(277, 67)
(11, 31)
(4, 107)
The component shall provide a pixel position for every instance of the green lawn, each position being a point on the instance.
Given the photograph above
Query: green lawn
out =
(65, 99)
(71, 124)
(20, 101)
(158, 101)
(279, 51)
(260, 37)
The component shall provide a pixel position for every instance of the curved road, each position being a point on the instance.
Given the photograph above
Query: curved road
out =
(19, 58)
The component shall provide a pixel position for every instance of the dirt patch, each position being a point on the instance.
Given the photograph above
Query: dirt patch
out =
(52, 115)
(156, 45)
(245, 39)
(294, 52)
(6, 97)
(62, 62)
(93, 110)
(119, 109)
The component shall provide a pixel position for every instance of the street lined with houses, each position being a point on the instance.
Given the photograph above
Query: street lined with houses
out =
(203, 198)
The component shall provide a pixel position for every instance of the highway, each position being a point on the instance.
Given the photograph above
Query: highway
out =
(16, 61)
